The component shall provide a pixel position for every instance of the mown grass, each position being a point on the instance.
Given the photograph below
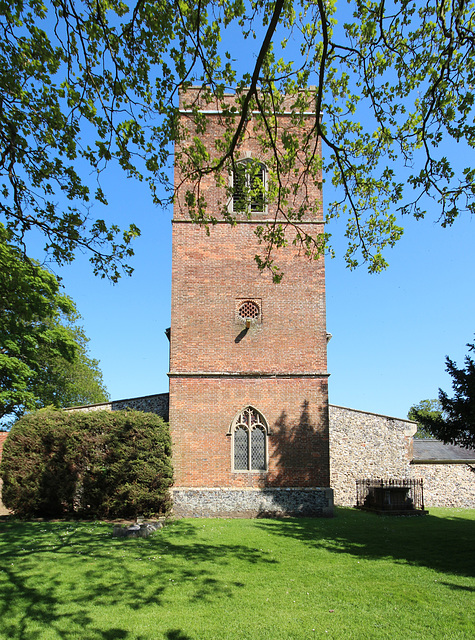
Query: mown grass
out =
(353, 576)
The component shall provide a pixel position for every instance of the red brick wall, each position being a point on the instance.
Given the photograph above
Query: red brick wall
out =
(249, 146)
(211, 273)
(296, 413)
(214, 362)
(3, 437)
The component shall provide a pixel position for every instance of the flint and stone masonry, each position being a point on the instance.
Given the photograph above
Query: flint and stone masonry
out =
(367, 445)
(252, 503)
(370, 445)
(156, 403)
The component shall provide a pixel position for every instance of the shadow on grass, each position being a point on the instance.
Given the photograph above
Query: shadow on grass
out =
(176, 634)
(445, 544)
(59, 578)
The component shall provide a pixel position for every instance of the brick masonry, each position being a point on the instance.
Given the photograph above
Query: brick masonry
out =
(294, 410)
(3, 437)
(277, 365)
(218, 367)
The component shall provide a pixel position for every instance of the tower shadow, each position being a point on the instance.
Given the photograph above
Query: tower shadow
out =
(298, 458)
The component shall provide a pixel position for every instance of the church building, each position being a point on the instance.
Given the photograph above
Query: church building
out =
(252, 431)
(248, 371)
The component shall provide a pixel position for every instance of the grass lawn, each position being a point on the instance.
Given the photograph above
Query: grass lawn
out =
(354, 576)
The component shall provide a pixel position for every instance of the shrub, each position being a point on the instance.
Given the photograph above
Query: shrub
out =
(101, 464)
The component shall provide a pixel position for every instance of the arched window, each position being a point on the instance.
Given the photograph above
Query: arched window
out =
(249, 186)
(249, 433)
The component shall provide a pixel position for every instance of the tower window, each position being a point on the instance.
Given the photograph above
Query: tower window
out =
(249, 310)
(249, 432)
(249, 186)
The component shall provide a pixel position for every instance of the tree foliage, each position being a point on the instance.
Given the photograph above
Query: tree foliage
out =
(455, 423)
(83, 84)
(101, 464)
(43, 355)
(431, 409)
(68, 383)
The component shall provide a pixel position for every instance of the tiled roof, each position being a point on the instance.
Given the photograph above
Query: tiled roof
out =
(432, 451)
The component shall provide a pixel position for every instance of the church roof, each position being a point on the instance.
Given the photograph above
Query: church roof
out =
(428, 451)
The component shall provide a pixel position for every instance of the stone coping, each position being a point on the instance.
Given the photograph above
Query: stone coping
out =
(372, 413)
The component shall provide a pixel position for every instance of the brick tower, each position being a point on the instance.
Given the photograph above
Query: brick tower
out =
(248, 377)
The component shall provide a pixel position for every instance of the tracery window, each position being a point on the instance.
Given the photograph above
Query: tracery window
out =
(249, 186)
(249, 432)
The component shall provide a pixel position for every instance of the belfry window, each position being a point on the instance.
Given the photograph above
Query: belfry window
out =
(249, 186)
(249, 432)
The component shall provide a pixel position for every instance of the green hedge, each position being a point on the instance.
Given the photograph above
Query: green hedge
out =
(90, 464)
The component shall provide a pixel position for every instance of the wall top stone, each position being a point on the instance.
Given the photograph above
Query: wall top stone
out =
(155, 403)
(372, 413)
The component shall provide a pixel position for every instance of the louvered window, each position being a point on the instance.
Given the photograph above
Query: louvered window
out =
(249, 441)
(249, 184)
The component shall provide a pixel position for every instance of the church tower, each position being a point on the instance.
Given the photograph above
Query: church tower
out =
(248, 376)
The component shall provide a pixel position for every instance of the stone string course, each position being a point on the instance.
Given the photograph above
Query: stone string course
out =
(251, 503)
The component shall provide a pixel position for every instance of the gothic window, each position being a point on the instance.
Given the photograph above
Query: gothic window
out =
(249, 185)
(249, 432)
